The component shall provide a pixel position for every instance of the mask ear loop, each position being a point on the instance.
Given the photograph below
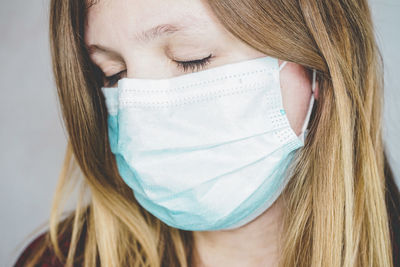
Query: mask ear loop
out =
(311, 104)
(282, 65)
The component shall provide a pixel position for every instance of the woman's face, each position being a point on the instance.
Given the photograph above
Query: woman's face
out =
(145, 39)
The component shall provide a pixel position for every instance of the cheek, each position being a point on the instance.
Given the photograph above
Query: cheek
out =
(296, 92)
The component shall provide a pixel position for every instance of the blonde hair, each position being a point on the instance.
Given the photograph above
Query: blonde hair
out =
(335, 210)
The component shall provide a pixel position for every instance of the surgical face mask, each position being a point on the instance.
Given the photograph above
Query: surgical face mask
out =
(206, 150)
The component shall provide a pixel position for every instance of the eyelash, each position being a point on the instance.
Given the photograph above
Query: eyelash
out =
(193, 65)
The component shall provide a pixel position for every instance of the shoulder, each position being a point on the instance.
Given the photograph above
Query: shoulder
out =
(395, 238)
(41, 247)
(393, 206)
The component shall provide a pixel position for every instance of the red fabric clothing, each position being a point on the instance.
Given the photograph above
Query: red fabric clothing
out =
(49, 259)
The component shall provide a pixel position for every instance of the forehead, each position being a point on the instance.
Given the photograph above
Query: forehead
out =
(109, 20)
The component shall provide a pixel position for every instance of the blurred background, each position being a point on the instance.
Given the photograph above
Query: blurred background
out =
(32, 137)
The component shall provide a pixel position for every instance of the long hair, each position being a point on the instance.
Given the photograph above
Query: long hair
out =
(336, 213)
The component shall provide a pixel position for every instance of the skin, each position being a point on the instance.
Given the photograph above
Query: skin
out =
(115, 25)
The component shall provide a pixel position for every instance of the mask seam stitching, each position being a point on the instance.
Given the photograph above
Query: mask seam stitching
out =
(188, 100)
(194, 84)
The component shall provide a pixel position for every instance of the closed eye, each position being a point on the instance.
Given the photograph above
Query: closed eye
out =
(110, 81)
(194, 65)
(185, 66)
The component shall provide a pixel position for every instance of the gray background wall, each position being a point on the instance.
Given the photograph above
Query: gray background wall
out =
(32, 139)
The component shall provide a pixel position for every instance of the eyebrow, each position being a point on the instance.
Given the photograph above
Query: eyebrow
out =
(146, 36)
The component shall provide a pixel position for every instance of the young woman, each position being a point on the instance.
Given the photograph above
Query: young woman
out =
(220, 133)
